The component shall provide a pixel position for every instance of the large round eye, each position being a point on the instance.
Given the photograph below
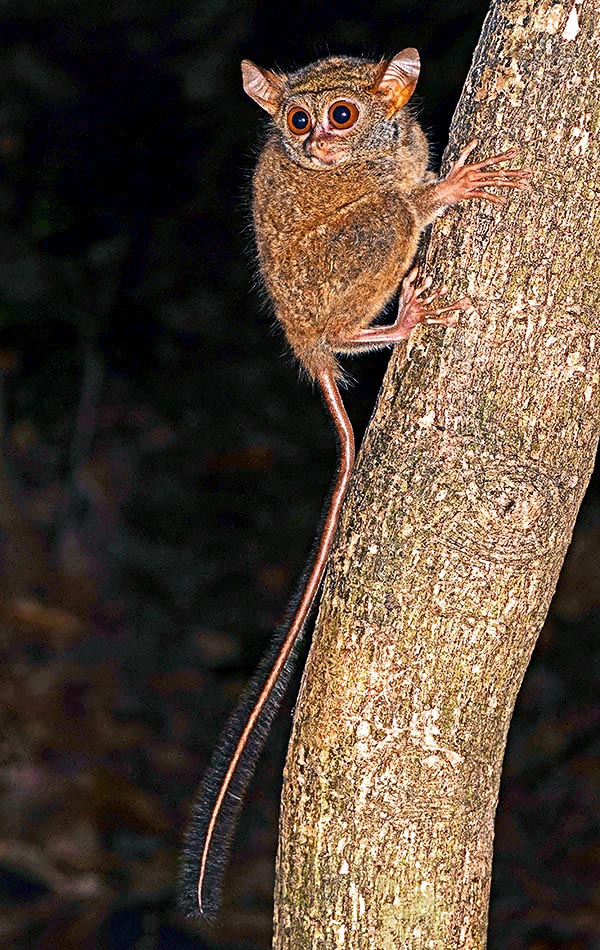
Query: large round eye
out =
(343, 114)
(298, 120)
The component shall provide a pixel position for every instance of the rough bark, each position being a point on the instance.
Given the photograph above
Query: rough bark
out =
(457, 524)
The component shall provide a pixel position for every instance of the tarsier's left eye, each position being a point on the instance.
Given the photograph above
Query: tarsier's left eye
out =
(343, 114)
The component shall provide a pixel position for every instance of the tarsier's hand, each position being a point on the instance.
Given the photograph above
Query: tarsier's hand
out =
(464, 182)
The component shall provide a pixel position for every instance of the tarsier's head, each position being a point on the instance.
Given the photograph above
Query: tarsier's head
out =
(338, 109)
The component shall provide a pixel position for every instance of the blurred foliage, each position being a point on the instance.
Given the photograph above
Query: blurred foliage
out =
(163, 475)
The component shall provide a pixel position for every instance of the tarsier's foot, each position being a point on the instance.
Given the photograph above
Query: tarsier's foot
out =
(418, 305)
(464, 182)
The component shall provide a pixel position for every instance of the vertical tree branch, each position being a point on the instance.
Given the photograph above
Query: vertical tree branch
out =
(459, 517)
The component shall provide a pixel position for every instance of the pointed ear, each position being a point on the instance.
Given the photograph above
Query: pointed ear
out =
(397, 79)
(262, 85)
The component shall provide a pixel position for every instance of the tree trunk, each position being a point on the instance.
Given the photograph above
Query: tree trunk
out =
(456, 527)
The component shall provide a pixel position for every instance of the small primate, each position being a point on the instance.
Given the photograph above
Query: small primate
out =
(341, 195)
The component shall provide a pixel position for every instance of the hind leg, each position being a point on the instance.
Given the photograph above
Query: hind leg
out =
(417, 305)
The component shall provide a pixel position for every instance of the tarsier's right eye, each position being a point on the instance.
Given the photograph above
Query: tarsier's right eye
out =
(298, 120)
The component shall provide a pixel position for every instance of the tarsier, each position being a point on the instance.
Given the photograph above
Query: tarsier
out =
(342, 193)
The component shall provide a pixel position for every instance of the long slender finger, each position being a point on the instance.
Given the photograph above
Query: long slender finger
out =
(447, 321)
(436, 293)
(439, 310)
(460, 161)
(518, 185)
(423, 287)
(459, 305)
(495, 159)
(503, 157)
(443, 321)
(499, 182)
(494, 199)
(499, 173)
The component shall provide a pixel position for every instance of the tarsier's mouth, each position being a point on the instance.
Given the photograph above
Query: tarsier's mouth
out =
(325, 159)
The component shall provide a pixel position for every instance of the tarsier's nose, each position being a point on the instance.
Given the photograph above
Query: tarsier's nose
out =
(321, 147)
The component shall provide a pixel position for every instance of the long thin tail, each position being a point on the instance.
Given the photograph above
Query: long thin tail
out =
(221, 795)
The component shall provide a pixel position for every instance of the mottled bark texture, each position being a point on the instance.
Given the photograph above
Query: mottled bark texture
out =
(458, 520)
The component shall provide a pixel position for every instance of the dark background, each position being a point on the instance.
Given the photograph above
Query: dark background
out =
(163, 474)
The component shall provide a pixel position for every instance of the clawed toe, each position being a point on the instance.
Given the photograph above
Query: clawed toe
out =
(418, 306)
(449, 316)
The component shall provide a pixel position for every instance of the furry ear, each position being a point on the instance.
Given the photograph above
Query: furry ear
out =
(263, 86)
(397, 79)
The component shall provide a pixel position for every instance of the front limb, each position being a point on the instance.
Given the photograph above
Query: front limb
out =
(465, 182)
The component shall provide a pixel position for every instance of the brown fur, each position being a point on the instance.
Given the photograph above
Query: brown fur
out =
(335, 242)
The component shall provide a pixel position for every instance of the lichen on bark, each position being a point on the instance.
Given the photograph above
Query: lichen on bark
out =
(456, 526)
